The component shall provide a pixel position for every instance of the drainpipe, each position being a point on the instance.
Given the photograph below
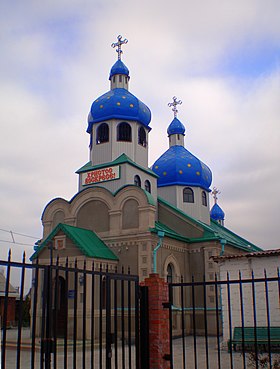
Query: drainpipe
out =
(223, 243)
(160, 237)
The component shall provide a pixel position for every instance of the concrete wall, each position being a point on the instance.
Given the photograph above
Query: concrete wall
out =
(246, 265)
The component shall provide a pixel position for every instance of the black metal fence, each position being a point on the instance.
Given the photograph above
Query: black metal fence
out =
(231, 323)
(80, 315)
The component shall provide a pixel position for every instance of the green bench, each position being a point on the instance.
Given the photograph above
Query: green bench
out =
(260, 337)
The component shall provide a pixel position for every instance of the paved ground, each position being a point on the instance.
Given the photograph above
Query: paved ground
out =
(226, 360)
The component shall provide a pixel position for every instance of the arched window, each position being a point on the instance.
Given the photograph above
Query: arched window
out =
(204, 198)
(130, 214)
(170, 273)
(124, 132)
(102, 133)
(148, 186)
(137, 181)
(142, 139)
(90, 141)
(188, 195)
(58, 217)
(98, 223)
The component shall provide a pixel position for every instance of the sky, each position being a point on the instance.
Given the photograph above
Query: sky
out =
(221, 58)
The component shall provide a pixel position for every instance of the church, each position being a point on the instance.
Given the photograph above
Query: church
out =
(126, 214)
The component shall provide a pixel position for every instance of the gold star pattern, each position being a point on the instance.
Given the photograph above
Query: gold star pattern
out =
(101, 106)
(164, 173)
(189, 165)
(198, 173)
(118, 103)
(131, 105)
(156, 166)
(180, 172)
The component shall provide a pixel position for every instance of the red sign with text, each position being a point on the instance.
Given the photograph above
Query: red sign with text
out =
(101, 175)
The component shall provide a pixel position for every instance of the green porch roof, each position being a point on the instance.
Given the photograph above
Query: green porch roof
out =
(122, 159)
(211, 232)
(86, 241)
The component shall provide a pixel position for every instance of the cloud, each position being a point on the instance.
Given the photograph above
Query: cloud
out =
(56, 58)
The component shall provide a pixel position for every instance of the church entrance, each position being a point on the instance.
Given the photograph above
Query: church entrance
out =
(60, 312)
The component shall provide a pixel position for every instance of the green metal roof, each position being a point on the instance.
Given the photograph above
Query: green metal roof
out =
(233, 238)
(211, 232)
(122, 159)
(86, 241)
(168, 232)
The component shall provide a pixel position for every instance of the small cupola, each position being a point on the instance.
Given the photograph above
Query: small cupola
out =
(177, 166)
(119, 74)
(216, 212)
(176, 130)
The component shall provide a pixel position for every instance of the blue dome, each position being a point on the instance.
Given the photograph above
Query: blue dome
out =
(176, 127)
(177, 166)
(118, 104)
(119, 68)
(217, 213)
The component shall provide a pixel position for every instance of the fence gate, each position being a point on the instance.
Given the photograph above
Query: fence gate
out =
(71, 315)
(228, 324)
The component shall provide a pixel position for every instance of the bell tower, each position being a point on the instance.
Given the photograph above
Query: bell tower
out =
(118, 125)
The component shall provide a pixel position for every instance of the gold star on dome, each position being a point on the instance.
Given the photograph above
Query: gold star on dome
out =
(198, 173)
(118, 103)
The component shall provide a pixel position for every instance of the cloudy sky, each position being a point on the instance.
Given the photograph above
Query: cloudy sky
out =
(221, 58)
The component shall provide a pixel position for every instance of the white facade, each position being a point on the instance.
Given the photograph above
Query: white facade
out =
(176, 139)
(174, 195)
(108, 151)
(260, 263)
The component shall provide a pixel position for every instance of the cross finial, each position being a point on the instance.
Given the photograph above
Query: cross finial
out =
(119, 45)
(174, 105)
(215, 192)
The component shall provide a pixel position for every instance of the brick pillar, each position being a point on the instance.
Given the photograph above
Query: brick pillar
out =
(158, 322)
